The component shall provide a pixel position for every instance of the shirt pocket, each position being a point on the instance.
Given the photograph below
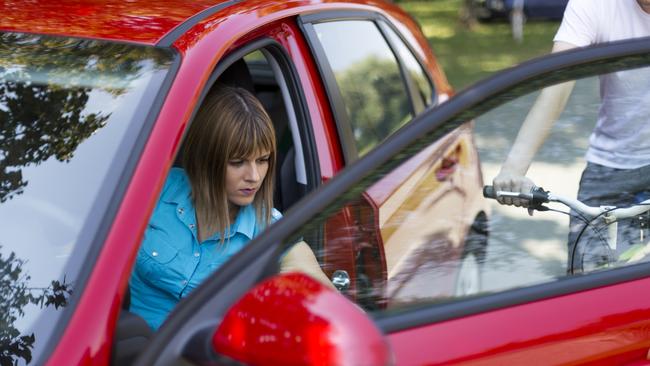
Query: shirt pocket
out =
(158, 263)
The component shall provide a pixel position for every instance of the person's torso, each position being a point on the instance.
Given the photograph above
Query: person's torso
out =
(172, 261)
(621, 138)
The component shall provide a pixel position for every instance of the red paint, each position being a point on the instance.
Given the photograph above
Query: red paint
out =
(292, 319)
(139, 21)
(604, 326)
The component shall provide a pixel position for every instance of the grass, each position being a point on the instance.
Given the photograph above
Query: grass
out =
(468, 55)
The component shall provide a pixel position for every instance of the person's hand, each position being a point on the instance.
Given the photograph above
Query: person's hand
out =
(512, 182)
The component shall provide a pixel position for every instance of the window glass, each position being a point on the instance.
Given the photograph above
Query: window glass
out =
(66, 106)
(418, 230)
(369, 79)
(415, 70)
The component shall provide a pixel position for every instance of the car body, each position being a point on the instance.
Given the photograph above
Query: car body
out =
(533, 9)
(381, 219)
(149, 65)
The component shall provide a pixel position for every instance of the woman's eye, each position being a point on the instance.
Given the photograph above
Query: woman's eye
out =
(236, 162)
(264, 159)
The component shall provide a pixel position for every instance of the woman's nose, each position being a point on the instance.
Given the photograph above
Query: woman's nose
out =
(253, 173)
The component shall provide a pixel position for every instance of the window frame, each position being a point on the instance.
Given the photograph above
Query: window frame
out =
(343, 126)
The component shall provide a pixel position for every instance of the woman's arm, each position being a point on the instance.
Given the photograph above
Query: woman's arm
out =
(300, 258)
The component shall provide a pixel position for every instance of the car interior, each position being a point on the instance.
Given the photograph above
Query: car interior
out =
(259, 73)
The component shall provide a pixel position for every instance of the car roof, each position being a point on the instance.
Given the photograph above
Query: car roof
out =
(138, 21)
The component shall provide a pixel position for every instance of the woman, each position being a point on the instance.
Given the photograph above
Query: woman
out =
(210, 209)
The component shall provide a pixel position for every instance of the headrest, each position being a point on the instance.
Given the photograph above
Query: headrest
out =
(238, 75)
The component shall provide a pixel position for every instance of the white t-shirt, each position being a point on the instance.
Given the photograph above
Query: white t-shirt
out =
(621, 138)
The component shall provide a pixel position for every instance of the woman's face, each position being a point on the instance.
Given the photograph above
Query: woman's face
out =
(244, 177)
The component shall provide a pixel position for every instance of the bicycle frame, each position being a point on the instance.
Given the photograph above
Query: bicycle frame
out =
(610, 214)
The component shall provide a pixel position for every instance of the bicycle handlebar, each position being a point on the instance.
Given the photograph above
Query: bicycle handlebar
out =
(538, 196)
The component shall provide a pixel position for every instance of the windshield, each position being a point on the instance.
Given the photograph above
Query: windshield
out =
(70, 111)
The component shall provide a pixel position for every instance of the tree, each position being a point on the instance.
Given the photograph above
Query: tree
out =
(15, 294)
(375, 98)
(44, 89)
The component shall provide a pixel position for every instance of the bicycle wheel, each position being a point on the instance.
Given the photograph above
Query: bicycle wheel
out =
(590, 252)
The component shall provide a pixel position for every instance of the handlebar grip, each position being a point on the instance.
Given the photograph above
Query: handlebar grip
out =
(489, 192)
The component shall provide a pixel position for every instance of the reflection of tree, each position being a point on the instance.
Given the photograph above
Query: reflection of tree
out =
(375, 98)
(37, 122)
(15, 294)
(44, 89)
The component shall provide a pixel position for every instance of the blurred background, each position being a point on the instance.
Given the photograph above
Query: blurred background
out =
(470, 49)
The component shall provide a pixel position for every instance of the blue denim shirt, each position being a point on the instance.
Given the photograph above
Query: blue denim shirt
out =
(171, 261)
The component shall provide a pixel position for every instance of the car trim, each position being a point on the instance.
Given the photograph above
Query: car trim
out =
(301, 110)
(343, 127)
(96, 229)
(483, 96)
(173, 35)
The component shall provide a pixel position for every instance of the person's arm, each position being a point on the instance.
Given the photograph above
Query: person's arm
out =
(533, 132)
(300, 258)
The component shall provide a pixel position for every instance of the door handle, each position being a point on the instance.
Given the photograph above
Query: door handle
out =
(447, 168)
(341, 280)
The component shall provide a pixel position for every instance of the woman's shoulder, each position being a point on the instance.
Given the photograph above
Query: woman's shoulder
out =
(176, 180)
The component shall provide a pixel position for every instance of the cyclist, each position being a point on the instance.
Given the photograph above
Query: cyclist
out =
(618, 158)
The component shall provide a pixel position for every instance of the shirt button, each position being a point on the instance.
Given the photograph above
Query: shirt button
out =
(180, 210)
(155, 254)
(192, 226)
(184, 282)
(197, 254)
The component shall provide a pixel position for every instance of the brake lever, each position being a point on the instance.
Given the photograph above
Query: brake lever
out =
(539, 207)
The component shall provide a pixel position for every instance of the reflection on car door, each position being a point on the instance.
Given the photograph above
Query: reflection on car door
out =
(424, 206)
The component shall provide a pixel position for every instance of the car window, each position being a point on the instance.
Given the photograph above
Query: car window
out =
(369, 79)
(422, 82)
(420, 231)
(68, 107)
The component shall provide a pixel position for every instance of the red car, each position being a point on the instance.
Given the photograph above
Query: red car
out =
(95, 99)
(94, 102)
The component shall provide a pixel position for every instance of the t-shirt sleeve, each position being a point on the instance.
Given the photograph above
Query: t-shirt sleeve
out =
(580, 24)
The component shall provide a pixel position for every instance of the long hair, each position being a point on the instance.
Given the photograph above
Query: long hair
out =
(230, 124)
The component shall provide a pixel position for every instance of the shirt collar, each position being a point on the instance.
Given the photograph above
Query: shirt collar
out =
(245, 222)
(179, 190)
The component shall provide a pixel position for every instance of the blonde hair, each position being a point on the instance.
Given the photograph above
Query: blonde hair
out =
(230, 124)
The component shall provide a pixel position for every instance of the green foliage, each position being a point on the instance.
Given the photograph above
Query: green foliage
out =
(15, 294)
(374, 96)
(468, 54)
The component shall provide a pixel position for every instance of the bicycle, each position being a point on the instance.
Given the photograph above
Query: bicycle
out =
(604, 253)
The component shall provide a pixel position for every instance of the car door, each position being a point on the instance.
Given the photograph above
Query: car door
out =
(545, 317)
(375, 85)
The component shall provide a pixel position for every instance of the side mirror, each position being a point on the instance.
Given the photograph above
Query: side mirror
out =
(291, 319)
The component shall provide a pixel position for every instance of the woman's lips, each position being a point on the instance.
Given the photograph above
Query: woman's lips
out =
(248, 191)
